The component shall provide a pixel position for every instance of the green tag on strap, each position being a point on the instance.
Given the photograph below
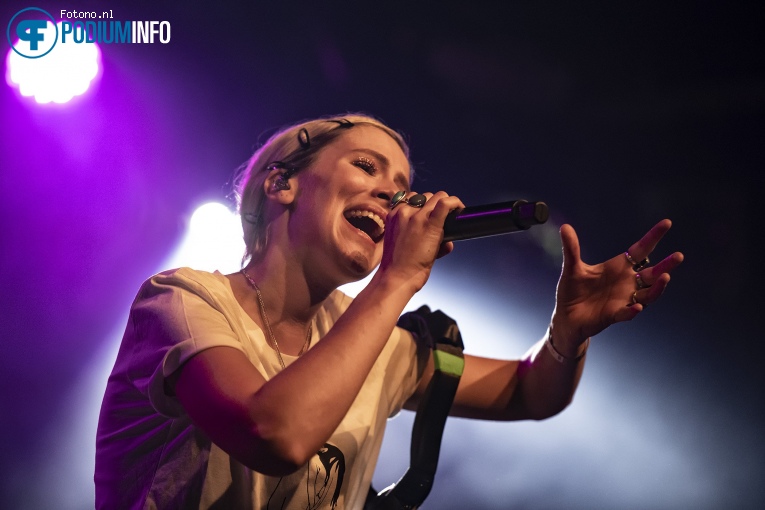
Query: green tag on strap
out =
(448, 363)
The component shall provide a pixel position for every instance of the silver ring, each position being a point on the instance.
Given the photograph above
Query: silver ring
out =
(634, 298)
(640, 283)
(636, 266)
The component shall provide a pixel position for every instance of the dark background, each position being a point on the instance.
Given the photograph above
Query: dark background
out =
(616, 114)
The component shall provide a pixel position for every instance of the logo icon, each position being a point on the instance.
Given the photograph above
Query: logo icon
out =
(37, 36)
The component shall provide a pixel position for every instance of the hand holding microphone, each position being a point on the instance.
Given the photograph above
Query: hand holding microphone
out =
(484, 220)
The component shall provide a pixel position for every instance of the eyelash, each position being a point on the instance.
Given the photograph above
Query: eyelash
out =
(366, 164)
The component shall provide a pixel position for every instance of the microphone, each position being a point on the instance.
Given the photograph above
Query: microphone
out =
(494, 219)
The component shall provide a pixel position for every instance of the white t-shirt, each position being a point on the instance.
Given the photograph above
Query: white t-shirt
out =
(150, 455)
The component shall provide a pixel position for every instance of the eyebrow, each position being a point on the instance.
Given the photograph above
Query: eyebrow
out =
(400, 179)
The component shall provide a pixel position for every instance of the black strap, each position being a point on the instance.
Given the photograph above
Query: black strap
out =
(444, 336)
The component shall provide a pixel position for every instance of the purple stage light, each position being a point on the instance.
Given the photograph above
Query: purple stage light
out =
(66, 71)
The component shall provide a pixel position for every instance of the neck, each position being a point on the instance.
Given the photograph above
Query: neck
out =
(287, 293)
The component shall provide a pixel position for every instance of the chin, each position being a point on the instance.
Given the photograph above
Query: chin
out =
(360, 265)
(356, 260)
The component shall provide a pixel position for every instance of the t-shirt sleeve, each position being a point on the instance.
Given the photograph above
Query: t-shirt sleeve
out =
(175, 316)
(408, 359)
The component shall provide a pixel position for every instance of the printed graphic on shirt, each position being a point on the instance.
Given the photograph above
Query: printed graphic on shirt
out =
(330, 473)
(325, 477)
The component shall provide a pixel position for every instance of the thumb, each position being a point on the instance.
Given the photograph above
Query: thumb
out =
(570, 243)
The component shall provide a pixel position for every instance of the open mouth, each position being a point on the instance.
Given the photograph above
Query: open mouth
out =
(368, 222)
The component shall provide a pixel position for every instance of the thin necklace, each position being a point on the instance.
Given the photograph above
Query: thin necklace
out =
(268, 324)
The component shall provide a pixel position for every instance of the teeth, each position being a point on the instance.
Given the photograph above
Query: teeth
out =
(359, 213)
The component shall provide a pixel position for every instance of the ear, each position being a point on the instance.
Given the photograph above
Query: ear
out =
(279, 186)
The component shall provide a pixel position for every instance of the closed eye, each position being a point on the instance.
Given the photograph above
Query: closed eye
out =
(365, 164)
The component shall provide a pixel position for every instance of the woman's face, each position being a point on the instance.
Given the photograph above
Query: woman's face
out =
(342, 202)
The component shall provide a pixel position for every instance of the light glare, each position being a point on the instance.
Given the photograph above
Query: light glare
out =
(213, 242)
(57, 77)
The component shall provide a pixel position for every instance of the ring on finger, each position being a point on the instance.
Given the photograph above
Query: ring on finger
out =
(634, 298)
(641, 284)
(417, 200)
(399, 197)
(636, 266)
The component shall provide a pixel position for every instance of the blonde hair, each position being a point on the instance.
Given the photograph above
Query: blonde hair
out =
(293, 148)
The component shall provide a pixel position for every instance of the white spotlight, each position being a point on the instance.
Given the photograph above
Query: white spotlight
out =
(66, 71)
(213, 241)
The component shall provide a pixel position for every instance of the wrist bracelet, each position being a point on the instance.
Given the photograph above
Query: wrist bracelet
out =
(560, 358)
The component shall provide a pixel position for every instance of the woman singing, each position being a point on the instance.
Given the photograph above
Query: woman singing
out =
(269, 388)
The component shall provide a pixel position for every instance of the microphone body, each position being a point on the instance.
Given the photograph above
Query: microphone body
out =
(494, 219)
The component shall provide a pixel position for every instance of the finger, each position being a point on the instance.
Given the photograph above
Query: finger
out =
(648, 295)
(651, 274)
(571, 250)
(654, 292)
(445, 249)
(433, 212)
(627, 313)
(648, 242)
(441, 205)
(401, 206)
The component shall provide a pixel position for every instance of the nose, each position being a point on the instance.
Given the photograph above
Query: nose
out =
(387, 183)
(385, 195)
(385, 191)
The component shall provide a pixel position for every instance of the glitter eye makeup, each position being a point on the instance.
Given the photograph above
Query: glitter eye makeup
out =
(366, 164)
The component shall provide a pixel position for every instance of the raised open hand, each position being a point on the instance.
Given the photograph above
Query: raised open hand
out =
(590, 298)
